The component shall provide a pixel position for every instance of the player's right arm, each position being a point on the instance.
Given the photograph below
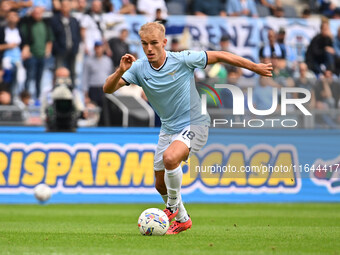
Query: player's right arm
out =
(115, 81)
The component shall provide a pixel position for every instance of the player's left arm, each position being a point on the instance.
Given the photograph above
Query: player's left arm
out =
(232, 59)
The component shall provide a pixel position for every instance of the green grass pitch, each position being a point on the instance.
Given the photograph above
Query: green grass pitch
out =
(217, 229)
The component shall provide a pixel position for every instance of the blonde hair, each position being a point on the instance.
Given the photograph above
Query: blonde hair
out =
(151, 26)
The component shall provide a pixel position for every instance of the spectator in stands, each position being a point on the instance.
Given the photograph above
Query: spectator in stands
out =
(225, 46)
(280, 38)
(66, 31)
(159, 17)
(263, 91)
(221, 73)
(10, 53)
(336, 14)
(305, 78)
(271, 4)
(279, 12)
(5, 7)
(80, 9)
(217, 74)
(96, 69)
(17, 5)
(57, 5)
(336, 46)
(241, 8)
(14, 5)
(5, 98)
(329, 7)
(47, 5)
(107, 6)
(263, 94)
(327, 91)
(281, 74)
(210, 8)
(177, 7)
(225, 43)
(320, 51)
(123, 7)
(25, 97)
(81, 6)
(22, 7)
(119, 47)
(1, 76)
(118, 6)
(272, 48)
(37, 45)
(93, 27)
(297, 50)
(175, 45)
(23, 102)
(306, 13)
(149, 7)
(234, 74)
(62, 79)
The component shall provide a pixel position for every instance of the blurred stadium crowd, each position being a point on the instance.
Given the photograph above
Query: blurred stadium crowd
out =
(44, 42)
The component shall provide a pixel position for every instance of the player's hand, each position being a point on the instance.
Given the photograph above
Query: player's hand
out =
(264, 69)
(126, 62)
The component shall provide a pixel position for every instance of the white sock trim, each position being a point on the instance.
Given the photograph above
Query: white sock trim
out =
(174, 171)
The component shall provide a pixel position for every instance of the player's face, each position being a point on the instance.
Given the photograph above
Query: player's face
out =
(153, 45)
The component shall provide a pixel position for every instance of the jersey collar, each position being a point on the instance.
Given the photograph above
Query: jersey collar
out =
(159, 68)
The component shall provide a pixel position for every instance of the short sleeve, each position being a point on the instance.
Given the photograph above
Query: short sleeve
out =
(130, 76)
(84, 21)
(195, 59)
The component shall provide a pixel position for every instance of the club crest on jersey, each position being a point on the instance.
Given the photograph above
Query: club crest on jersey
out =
(172, 74)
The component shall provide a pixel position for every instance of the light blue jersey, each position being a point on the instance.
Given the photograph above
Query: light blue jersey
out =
(171, 88)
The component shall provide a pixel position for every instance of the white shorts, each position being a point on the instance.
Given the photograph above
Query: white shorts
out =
(195, 137)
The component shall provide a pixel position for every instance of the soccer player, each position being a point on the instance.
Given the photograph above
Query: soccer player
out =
(167, 79)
